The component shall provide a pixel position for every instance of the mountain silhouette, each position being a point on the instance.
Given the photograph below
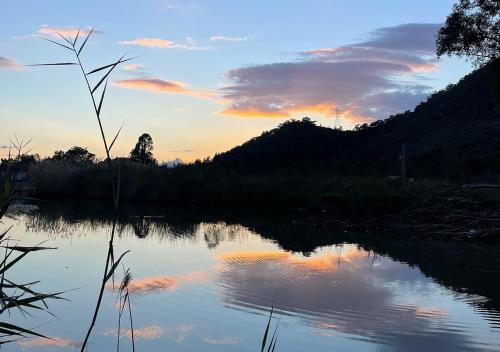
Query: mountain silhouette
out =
(454, 134)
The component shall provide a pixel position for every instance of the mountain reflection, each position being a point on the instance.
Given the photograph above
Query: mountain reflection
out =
(360, 286)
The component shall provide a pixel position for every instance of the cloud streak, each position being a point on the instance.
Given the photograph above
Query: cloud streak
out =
(367, 80)
(161, 43)
(68, 32)
(157, 85)
(9, 64)
(222, 38)
(39, 342)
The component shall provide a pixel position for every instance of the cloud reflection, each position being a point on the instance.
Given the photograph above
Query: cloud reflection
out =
(342, 290)
(40, 342)
(161, 283)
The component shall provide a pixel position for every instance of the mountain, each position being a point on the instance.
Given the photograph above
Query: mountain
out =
(454, 134)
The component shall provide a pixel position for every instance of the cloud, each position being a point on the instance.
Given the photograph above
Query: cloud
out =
(221, 38)
(135, 69)
(161, 86)
(222, 341)
(161, 283)
(39, 342)
(342, 288)
(9, 64)
(412, 37)
(151, 332)
(150, 42)
(367, 80)
(68, 32)
(160, 43)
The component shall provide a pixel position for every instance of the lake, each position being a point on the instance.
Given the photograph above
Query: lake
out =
(205, 281)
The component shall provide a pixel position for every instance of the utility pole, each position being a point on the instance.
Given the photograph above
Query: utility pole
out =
(403, 163)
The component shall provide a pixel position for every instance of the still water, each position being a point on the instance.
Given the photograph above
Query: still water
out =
(206, 283)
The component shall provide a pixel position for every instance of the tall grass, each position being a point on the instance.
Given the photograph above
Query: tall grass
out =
(97, 92)
(14, 295)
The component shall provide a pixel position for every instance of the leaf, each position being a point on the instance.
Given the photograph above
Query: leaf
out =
(113, 268)
(27, 249)
(13, 328)
(106, 66)
(65, 39)
(10, 264)
(53, 41)
(114, 139)
(102, 99)
(76, 38)
(55, 64)
(85, 42)
(107, 74)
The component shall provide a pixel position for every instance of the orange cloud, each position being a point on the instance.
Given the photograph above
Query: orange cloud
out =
(161, 86)
(253, 256)
(327, 261)
(325, 109)
(68, 32)
(160, 283)
(160, 43)
(253, 112)
(52, 342)
(150, 42)
(133, 67)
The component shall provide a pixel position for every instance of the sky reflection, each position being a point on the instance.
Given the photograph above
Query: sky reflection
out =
(208, 285)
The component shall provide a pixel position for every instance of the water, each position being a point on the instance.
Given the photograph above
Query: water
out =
(206, 282)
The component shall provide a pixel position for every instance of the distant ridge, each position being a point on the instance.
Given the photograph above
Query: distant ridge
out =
(455, 133)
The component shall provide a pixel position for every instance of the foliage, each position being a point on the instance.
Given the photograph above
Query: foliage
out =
(75, 156)
(143, 150)
(472, 30)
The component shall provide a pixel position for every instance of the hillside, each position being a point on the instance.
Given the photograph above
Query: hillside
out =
(454, 134)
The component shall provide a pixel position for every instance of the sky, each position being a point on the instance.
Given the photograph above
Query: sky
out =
(210, 74)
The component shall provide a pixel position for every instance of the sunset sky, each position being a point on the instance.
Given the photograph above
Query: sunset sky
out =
(211, 74)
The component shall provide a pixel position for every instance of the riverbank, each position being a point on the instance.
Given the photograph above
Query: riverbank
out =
(421, 209)
(459, 213)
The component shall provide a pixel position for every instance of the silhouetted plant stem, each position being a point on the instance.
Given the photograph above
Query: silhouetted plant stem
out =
(101, 129)
(110, 264)
(103, 285)
(131, 321)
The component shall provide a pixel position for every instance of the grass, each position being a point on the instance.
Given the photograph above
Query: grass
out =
(14, 295)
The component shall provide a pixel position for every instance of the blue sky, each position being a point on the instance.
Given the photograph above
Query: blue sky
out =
(211, 74)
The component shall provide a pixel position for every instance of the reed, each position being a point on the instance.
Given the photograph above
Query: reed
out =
(97, 92)
(13, 295)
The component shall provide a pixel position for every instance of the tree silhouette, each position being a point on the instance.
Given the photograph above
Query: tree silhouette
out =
(75, 155)
(472, 30)
(143, 150)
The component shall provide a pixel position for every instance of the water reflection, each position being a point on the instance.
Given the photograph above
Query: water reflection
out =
(346, 293)
(395, 295)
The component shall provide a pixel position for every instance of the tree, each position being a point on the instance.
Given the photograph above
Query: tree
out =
(143, 150)
(472, 30)
(76, 155)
